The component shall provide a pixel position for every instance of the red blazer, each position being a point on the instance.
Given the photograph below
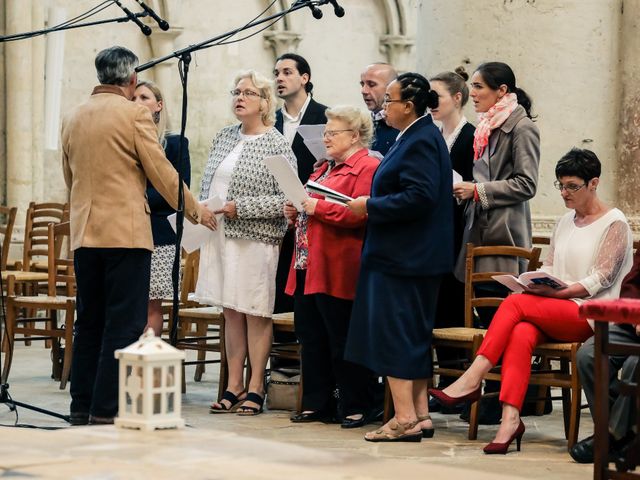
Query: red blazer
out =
(334, 233)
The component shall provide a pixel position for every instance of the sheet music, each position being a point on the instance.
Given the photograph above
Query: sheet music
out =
(287, 179)
(194, 236)
(313, 138)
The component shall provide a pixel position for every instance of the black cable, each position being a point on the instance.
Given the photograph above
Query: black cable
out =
(83, 16)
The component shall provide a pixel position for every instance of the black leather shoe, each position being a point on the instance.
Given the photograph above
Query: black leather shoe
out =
(318, 416)
(355, 423)
(78, 418)
(582, 452)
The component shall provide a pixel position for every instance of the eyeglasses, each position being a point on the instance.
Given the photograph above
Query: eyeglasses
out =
(387, 100)
(570, 187)
(247, 93)
(333, 133)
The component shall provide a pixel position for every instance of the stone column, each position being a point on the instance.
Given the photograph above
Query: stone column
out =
(37, 99)
(629, 133)
(19, 88)
(398, 50)
(564, 55)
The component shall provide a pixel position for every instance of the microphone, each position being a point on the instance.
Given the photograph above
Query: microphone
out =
(337, 9)
(144, 28)
(161, 23)
(316, 12)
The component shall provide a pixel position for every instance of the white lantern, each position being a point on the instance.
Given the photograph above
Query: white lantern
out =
(150, 382)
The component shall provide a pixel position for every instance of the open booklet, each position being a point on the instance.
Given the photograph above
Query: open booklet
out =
(330, 195)
(529, 278)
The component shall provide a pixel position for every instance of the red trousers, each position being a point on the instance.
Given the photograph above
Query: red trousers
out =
(521, 323)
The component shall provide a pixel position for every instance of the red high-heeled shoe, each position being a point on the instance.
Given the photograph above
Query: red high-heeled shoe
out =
(451, 402)
(502, 448)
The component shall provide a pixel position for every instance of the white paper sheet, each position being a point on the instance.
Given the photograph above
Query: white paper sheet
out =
(194, 236)
(329, 194)
(287, 179)
(313, 138)
(457, 178)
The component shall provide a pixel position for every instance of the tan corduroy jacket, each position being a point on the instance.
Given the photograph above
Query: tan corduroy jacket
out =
(109, 149)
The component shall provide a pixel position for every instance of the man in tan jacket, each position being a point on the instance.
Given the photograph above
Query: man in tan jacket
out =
(110, 148)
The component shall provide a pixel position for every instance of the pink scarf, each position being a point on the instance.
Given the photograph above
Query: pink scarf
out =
(490, 120)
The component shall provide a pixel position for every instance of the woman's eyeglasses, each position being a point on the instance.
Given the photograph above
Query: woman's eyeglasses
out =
(569, 187)
(247, 93)
(333, 133)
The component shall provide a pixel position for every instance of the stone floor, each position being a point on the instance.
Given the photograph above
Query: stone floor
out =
(264, 447)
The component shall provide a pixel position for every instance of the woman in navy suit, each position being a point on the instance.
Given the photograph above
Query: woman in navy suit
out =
(164, 238)
(407, 250)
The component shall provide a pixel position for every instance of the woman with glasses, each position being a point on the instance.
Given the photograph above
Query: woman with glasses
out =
(324, 272)
(591, 251)
(238, 263)
(407, 250)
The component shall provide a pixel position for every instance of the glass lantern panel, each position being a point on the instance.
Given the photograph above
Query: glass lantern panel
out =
(128, 403)
(171, 377)
(157, 377)
(170, 402)
(157, 403)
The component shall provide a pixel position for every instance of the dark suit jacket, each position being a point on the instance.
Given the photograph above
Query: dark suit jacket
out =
(314, 115)
(631, 283)
(163, 234)
(409, 228)
(384, 137)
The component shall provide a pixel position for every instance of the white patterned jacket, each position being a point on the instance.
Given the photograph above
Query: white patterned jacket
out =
(259, 200)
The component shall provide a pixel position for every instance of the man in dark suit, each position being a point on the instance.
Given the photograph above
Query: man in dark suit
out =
(373, 83)
(109, 150)
(293, 85)
(622, 407)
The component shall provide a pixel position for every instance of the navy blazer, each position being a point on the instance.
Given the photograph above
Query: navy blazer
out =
(313, 115)
(410, 228)
(163, 234)
(384, 137)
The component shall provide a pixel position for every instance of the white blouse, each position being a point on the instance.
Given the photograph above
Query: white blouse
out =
(598, 255)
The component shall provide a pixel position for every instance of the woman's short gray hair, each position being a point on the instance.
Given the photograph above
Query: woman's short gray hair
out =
(358, 119)
(116, 65)
(267, 91)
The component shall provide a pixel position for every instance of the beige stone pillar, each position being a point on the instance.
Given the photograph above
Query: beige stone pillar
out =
(19, 80)
(629, 137)
(37, 99)
(564, 54)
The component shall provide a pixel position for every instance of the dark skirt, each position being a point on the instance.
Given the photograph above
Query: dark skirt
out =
(392, 323)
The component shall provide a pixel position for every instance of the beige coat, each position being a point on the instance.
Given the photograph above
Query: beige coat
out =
(109, 149)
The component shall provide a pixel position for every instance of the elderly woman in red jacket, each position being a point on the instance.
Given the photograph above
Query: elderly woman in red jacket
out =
(324, 271)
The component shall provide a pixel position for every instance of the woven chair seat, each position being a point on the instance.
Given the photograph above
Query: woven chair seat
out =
(21, 276)
(457, 334)
(38, 299)
(558, 347)
(200, 312)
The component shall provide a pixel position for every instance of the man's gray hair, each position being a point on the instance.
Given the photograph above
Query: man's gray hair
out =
(116, 65)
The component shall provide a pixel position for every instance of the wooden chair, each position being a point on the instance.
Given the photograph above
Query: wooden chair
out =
(60, 272)
(38, 218)
(6, 230)
(565, 376)
(201, 328)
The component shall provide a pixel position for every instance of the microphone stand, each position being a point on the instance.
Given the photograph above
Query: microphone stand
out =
(184, 59)
(35, 33)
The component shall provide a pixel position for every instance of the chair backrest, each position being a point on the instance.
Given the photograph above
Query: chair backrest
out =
(60, 263)
(6, 230)
(39, 216)
(473, 279)
(189, 276)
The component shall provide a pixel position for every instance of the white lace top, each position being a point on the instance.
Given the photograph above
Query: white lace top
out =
(598, 255)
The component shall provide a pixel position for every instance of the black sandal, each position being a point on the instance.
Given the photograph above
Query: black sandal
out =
(247, 411)
(233, 400)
